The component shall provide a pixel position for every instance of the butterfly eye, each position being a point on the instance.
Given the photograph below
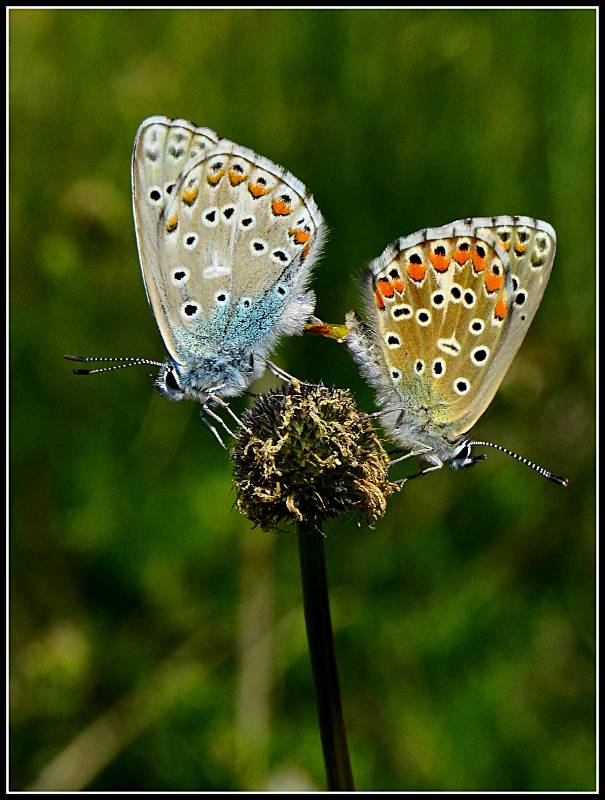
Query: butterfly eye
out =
(462, 456)
(171, 381)
(464, 451)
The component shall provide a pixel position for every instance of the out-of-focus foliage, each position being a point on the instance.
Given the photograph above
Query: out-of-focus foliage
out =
(157, 641)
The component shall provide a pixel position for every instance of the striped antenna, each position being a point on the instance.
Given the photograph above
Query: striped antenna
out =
(550, 475)
(132, 362)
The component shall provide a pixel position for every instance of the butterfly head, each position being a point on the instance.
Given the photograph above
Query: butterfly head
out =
(462, 456)
(225, 373)
(169, 383)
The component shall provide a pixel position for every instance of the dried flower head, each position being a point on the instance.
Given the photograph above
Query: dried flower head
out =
(309, 454)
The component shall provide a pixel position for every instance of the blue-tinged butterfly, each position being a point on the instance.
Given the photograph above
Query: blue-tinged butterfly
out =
(447, 309)
(227, 240)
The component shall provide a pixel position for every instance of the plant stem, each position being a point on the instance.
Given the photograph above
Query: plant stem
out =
(323, 658)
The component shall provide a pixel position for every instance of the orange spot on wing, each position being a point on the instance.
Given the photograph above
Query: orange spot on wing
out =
(479, 261)
(256, 190)
(379, 300)
(300, 237)
(461, 253)
(172, 224)
(236, 177)
(190, 194)
(398, 285)
(215, 177)
(416, 271)
(520, 247)
(280, 208)
(305, 252)
(493, 282)
(386, 287)
(439, 262)
(500, 310)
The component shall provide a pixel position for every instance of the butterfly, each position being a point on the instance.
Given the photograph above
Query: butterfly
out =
(447, 309)
(227, 240)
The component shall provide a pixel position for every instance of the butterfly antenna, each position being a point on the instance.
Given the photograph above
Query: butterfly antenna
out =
(131, 362)
(550, 475)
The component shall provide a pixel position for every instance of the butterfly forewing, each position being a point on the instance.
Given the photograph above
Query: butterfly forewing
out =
(236, 238)
(162, 150)
(450, 307)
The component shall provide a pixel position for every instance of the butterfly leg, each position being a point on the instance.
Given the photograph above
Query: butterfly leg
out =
(281, 373)
(421, 452)
(385, 411)
(207, 411)
(402, 481)
(219, 401)
(429, 455)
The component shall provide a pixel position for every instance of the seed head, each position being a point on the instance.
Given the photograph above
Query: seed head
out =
(311, 455)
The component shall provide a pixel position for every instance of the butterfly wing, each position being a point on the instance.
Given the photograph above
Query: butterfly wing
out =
(530, 245)
(162, 150)
(448, 309)
(235, 243)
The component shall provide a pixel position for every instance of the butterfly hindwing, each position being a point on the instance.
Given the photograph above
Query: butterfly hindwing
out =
(239, 238)
(447, 310)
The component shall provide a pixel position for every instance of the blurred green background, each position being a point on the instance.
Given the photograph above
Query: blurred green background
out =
(157, 641)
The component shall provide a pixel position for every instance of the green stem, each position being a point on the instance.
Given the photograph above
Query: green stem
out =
(323, 658)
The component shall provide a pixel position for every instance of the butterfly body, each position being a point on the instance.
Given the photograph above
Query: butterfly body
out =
(227, 240)
(447, 309)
